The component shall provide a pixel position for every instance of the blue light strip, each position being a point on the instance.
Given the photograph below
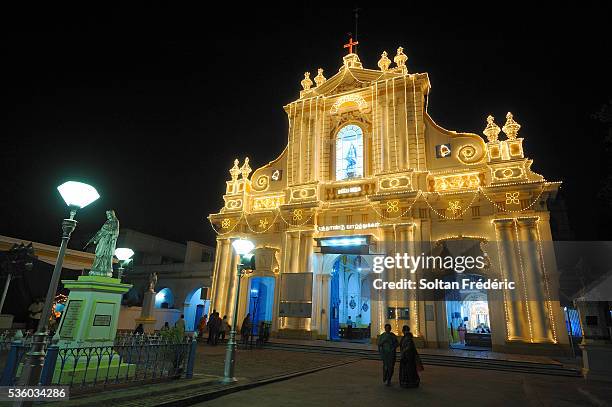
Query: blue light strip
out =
(344, 241)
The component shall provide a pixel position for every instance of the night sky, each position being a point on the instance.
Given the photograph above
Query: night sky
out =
(151, 106)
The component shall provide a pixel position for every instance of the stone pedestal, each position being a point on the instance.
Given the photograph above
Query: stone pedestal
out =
(92, 311)
(90, 319)
(147, 318)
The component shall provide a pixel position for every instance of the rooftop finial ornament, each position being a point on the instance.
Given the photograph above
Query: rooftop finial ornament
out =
(511, 128)
(245, 169)
(320, 79)
(400, 59)
(492, 130)
(306, 82)
(235, 171)
(384, 62)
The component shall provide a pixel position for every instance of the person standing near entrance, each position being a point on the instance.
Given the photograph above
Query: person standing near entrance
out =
(349, 328)
(224, 328)
(461, 330)
(180, 325)
(410, 362)
(387, 343)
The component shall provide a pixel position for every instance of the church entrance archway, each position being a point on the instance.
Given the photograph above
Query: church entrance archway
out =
(350, 299)
(261, 301)
(468, 316)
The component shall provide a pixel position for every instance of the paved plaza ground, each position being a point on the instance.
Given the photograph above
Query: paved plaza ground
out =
(346, 380)
(359, 384)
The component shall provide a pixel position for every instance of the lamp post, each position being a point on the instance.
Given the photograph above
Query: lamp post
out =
(125, 256)
(241, 247)
(77, 195)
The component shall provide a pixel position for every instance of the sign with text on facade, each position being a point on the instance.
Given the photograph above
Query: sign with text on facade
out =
(353, 226)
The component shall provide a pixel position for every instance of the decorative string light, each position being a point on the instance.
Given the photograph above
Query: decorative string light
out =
(524, 281)
(551, 314)
(416, 125)
(501, 269)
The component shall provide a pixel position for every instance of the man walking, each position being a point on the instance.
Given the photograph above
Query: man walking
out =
(387, 343)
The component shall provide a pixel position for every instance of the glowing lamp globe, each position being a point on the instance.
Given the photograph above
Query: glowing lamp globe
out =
(78, 194)
(123, 253)
(242, 246)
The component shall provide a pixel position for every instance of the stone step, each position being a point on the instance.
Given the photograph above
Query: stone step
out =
(555, 369)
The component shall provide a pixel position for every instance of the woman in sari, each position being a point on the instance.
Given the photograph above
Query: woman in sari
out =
(387, 343)
(410, 362)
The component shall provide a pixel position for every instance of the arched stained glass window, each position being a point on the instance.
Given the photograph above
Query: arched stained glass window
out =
(349, 153)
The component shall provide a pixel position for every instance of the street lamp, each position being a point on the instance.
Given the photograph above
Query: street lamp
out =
(77, 195)
(125, 256)
(241, 247)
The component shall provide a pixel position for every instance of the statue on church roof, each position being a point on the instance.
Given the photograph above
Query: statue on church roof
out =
(384, 62)
(105, 240)
(492, 130)
(320, 79)
(511, 128)
(401, 58)
(306, 82)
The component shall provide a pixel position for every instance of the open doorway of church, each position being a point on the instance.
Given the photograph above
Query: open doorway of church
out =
(467, 312)
(350, 299)
(261, 301)
(195, 308)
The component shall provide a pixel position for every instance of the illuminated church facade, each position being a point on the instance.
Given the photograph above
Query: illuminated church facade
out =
(367, 171)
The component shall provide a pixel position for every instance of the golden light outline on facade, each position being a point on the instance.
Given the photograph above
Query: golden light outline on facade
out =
(501, 270)
(506, 173)
(454, 207)
(467, 154)
(524, 281)
(261, 184)
(225, 223)
(394, 182)
(392, 206)
(297, 214)
(357, 99)
(233, 204)
(263, 223)
(261, 203)
(456, 182)
(512, 198)
(546, 283)
(246, 220)
(399, 216)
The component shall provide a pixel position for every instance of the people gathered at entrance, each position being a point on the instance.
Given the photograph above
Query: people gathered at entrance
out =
(410, 361)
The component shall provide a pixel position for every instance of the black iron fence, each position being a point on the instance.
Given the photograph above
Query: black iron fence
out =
(84, 368)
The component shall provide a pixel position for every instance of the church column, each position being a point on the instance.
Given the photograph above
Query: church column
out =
(306, 244)
(222, 274)
(390, 297)
(536, 296)
(294, 251)
(511, 269)
(316, 291)
(412, 276)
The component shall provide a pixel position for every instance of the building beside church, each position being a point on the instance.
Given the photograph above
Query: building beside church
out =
(366, 171)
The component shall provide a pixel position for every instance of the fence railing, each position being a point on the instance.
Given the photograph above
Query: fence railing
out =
(85, 368)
